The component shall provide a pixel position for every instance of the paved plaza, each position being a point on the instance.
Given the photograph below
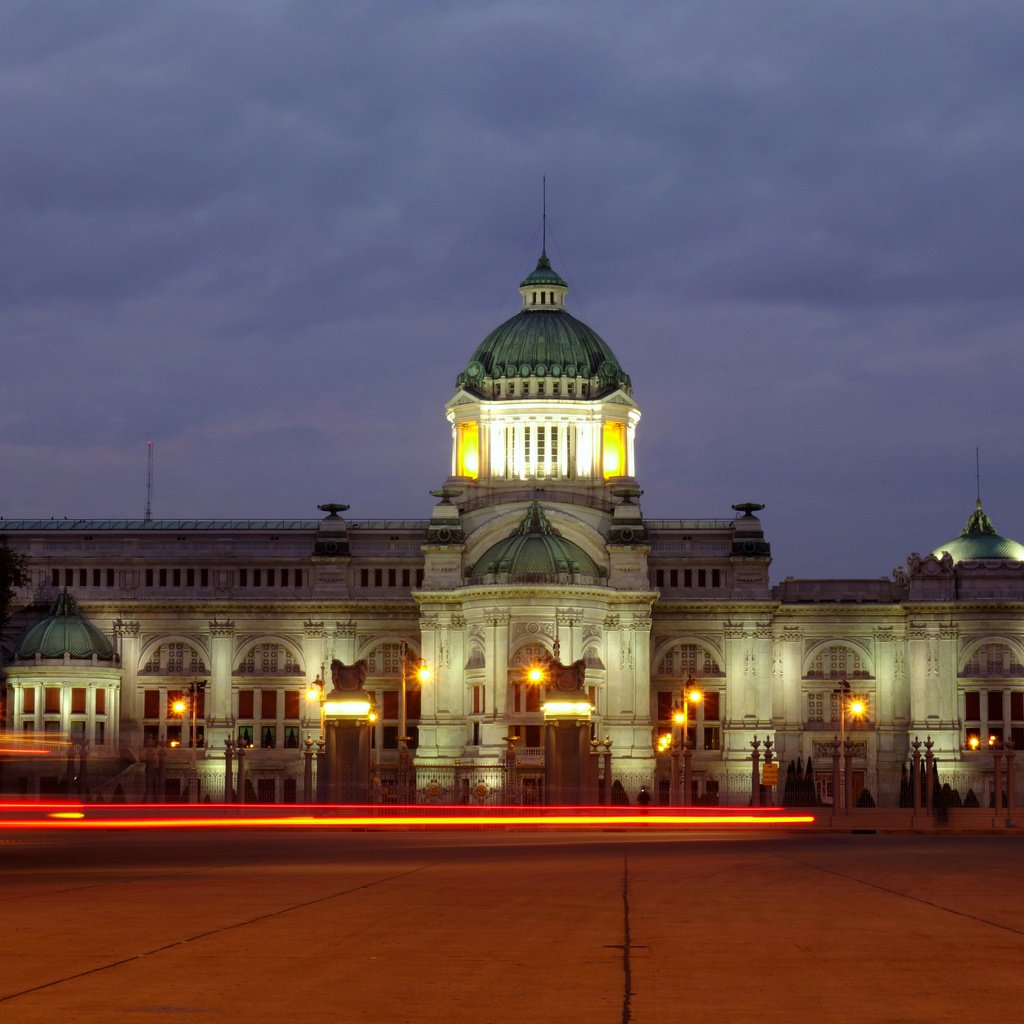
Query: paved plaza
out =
(510, 926)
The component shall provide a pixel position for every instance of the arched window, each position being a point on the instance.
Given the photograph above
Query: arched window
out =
(177, 658)
(837, 662)
(688, 660)
(269, 659)
(993, 659)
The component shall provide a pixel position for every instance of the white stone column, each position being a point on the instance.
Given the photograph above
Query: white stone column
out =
(219, 713)
(126, 637)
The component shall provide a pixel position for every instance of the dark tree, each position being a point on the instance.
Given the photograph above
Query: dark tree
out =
(13, 574)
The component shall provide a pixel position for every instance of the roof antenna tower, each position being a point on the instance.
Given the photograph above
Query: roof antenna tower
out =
(544, 214)
(977, 471)
(149, 482)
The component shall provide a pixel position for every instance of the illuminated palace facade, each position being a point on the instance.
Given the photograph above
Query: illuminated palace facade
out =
(537, 545)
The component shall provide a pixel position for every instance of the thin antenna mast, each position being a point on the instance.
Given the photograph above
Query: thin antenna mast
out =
(977, 471)
(544, 213)
(149, 482)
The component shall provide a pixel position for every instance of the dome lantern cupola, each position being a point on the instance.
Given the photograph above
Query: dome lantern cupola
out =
(543, 289)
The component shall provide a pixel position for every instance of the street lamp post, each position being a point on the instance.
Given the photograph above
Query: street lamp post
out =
(680, 723)
(857, 707)
(317, 691)
(413, 668)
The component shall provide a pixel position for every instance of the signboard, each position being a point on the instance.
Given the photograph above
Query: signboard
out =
(770, 775)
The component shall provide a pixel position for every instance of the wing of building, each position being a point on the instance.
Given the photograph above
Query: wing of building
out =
(537, 546)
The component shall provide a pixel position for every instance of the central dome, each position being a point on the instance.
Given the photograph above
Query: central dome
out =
(544, 341)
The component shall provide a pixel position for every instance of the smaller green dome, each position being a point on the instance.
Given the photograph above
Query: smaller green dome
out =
(65, 631)
(979, 540)
(535, 552)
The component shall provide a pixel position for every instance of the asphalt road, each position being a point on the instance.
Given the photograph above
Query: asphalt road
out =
(511, 926)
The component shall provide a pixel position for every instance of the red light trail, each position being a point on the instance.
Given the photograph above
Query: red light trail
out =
(69, 815)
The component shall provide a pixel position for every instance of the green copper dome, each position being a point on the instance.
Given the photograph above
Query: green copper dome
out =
(535, 552)
(544, 341)
(979, 540)
(65, 631)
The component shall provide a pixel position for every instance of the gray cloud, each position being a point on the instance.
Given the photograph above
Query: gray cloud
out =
(268, 236)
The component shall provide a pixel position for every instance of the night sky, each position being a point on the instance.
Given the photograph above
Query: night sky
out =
(267, 236)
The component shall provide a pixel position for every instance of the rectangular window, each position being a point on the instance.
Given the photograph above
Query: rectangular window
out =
(298, 577)
(190, 577)
(257, 577)
(702, 577)
(69, 577)
(711, 709)
(711, 741)
(716, 577)
(497, 390)
(556, 388)
(163, 577)
(28, 698)
(478, 700)
(268, 704)
(995, 705)
(413, 704)
(406, 577)
(245, 703)
(95, 577)
(270, 578)
(101, 702)
(83, 575)
(78, 700)
(570, 388)
(419, 577)
(243, 577)
(532, 698)
(55, 577)
(674, 578)
(204, 577)
(390, 703)
(52, 700)
(151, 704)
(101, 733)
(110, 577)
(364, 577)
(972, 706)
(659, 577)
(1017, 705)
(687, 577)
(392, 578)
(292, 703)
(291, 741)
(149, 577)
(268, 737)
(284, 577)
(245, 735)
(666, 698)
